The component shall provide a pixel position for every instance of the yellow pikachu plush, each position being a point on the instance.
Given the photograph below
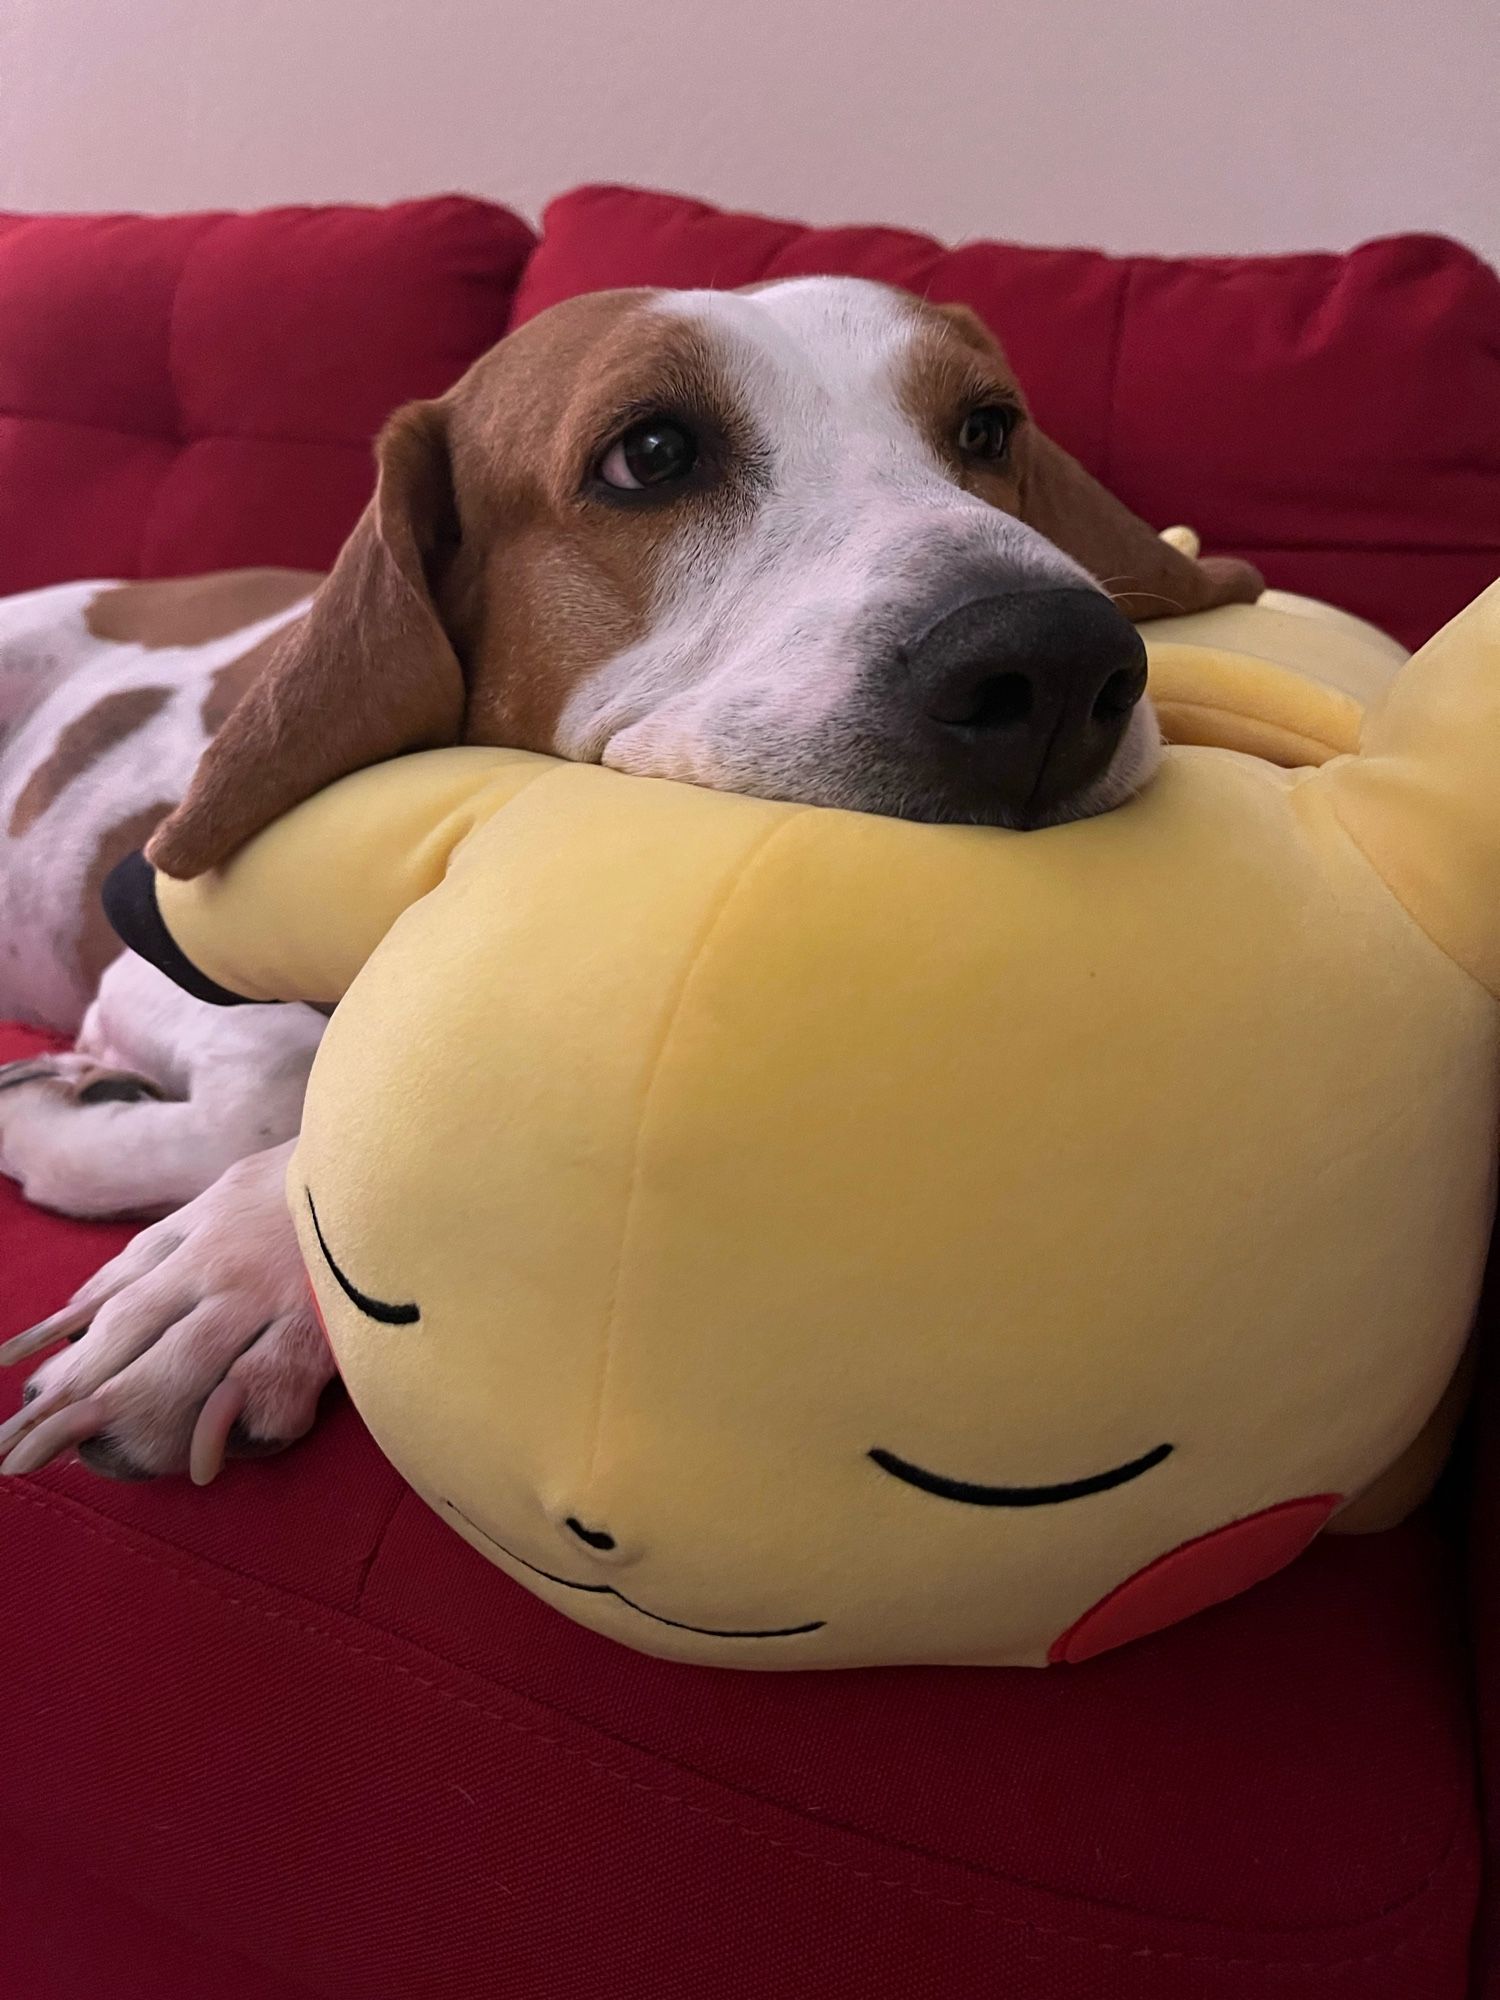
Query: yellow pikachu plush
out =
(787, 1238)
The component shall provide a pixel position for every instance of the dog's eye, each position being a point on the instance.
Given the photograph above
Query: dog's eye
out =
(653, 452)
(986, 432)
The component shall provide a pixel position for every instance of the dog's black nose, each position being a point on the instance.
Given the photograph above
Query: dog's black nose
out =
(1023, 698)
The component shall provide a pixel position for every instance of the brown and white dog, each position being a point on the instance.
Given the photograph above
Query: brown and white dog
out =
(801, 541)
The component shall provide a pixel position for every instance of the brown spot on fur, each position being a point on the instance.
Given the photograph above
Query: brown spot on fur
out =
(566, 581)
(229, 684)
(952, 368)
(86, 739)
(485, 580)
(192, 610)
(1051, 492)
(98, 946)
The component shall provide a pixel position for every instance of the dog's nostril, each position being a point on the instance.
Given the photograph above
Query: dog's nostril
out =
(997, 701)
(1119, 694)
(594, 1538)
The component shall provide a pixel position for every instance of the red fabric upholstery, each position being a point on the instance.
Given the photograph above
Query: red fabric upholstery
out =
(294, 1732)
(1335, 419)
(1484, 1617)
(198, 392)
(290, 1739)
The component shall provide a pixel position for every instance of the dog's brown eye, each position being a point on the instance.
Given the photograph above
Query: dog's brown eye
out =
(985, 432)
(651, 453)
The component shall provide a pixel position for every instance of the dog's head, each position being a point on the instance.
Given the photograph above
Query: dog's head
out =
(802, 541)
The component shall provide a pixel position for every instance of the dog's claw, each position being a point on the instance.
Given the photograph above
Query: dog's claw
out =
(56, 1433)
(216, 1420)
(28, 1415)
(194, 1345)
(47, 1332)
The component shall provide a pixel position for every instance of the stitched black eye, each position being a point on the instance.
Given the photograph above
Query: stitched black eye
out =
(946, 1488)
(986, 432)
(379, 1309)
(653, 452)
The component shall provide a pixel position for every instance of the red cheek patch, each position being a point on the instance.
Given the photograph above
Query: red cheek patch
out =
(1202, 1572)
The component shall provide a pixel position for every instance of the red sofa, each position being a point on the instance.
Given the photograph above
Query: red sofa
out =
(289, 1737)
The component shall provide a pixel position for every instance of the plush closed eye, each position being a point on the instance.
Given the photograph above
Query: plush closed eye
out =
(378, 1309)
(944, 1488)
(655, 452)
(986, 432)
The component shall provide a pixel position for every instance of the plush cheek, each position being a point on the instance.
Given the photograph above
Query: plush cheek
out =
(1200, 1573)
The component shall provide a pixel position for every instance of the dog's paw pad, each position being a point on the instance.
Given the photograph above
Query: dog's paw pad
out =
(107, 1456)
(241, 1443)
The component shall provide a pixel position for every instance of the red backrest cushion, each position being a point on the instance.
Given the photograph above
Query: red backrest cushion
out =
(194, 392)
(1334, 418)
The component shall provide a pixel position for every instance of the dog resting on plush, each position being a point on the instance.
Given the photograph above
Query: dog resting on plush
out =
(801, 543)
(787, 1237)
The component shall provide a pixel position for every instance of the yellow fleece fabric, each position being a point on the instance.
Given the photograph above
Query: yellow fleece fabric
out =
(706, 1158)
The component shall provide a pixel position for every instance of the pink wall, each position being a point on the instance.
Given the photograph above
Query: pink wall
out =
(1137, 124)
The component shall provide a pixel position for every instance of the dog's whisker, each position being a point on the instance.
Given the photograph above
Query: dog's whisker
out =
(1156, 596)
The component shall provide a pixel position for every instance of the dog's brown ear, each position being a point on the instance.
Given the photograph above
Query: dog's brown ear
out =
(368, 673)
(1147, 577)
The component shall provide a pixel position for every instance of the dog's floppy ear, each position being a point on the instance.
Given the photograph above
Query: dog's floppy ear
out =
(1146, 576)
(368, 673)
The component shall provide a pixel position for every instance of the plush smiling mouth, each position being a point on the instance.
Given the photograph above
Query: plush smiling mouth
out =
(972, 1495)
(608, 1590)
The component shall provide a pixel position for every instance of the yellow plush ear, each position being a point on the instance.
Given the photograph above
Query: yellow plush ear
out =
(1422, 797)
(297, 911)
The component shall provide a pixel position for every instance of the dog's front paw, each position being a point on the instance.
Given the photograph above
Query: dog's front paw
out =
(197, 1342)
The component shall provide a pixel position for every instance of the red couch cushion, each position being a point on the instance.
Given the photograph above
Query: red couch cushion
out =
(1334, 418)
(296, 1732)
(194, 392)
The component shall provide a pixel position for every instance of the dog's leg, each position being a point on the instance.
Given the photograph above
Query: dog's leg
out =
(161, 1095)
(198, 1341)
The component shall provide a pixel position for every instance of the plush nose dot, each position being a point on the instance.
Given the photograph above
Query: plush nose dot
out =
(594, 1538)
(1194, 1576)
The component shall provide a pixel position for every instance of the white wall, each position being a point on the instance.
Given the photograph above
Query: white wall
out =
(1135, 124)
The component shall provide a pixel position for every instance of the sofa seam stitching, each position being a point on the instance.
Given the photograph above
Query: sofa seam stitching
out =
(178, 439)
(1112, 379)
(181, 440)
(516, 1726)
(368, 1562)
(749, 862)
